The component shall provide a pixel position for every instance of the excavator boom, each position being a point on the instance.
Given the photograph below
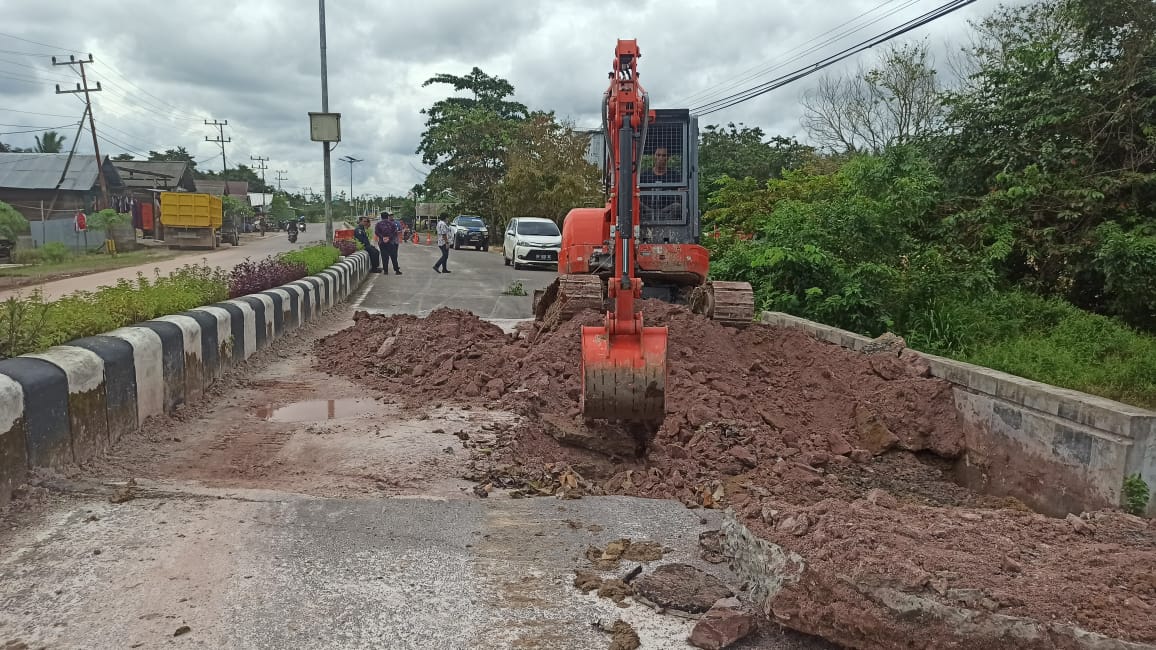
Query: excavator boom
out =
(623, 361)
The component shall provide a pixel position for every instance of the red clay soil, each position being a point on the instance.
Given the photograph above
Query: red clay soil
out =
(842, 457)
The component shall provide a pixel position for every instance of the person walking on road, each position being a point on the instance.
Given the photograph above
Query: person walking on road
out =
(387, 235)
(361, 234)
(444, 244)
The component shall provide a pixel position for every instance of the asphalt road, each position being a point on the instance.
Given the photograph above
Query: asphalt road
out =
(476, 282)
(225, 257)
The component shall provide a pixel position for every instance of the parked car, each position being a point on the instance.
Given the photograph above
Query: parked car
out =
(470, 230)
(532, 241)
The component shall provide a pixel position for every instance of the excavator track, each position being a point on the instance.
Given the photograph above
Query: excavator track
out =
(729, 303)
(566, 296)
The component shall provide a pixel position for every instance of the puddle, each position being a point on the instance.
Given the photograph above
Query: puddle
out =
(318, 410)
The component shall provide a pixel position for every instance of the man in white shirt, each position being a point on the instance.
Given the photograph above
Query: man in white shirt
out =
(444, 236)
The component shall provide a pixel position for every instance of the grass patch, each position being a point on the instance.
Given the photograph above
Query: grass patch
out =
(30, 324)
(1045, 340)
(316, 258)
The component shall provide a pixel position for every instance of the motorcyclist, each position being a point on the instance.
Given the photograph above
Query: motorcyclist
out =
(292, 229)
(301, 222)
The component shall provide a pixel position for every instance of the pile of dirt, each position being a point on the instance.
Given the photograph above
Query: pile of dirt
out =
(840, 456)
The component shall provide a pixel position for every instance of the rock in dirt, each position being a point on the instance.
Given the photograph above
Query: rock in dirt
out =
(682, 588)
(615, 589)
(880, 497)
(587, 581)
(624, 549)
(873, 433)
(623, 637)
(725, 623)
(711, 542)
(612, 441)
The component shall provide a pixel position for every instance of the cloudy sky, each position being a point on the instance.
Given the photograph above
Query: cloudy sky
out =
(166, 67)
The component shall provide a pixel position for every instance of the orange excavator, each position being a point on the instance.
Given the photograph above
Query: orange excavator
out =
(642, 244)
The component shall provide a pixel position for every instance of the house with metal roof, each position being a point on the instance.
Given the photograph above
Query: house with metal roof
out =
(237, 189)
(158, 175)
(48, 186)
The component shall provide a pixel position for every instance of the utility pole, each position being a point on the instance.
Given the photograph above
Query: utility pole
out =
(281, 177)
(351, 160)
(262, 166)
(83, 88)
(220, 139)
(325, 145)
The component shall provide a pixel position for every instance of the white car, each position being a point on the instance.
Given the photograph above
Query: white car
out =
(532, 241)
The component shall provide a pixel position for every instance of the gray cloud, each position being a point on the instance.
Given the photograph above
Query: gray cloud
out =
(167, 67)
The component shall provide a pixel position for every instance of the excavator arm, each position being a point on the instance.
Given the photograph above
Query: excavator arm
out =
(624, 367)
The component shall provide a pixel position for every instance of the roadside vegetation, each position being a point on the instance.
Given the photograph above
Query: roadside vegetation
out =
(31, 324)
(1008, 220)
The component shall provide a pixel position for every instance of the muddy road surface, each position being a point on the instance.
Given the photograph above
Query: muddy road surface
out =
(295, 508)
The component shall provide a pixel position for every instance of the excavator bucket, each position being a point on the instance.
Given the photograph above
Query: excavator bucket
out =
(624, 375)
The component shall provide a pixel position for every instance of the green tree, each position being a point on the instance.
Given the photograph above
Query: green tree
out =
(51, 142)
(280, 208)
(123, 157)
(1054, 137)
(466, 138)
(180, 154)
(744, 152)
(12, 223)
(240, 173)
(546, 172)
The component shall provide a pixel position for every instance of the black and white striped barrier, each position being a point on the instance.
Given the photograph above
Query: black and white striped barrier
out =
(71, 402)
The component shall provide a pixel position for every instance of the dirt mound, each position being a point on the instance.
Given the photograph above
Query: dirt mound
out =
(842, 457)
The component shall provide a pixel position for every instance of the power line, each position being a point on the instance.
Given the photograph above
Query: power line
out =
(37, 129)
(52, 47)
(798, 51)
(751, 93)
(13, 110)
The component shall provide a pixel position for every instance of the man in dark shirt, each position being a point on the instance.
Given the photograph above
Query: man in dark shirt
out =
(389, 238)
(361, 234)
(664, 206)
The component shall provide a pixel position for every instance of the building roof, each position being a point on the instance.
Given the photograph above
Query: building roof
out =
(44, 171)
(159, 174)
(237, 189)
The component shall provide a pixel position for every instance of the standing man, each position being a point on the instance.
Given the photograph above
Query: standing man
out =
(361, 234)
(386, 231)
(444, 244)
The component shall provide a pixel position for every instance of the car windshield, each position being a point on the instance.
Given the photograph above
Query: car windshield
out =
(473, 223)
(539, 228)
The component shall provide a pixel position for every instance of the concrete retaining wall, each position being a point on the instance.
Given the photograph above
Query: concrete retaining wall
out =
(1058, 450)
(70, 403)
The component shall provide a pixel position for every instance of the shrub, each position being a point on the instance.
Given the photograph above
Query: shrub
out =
(31, 325)
(1136, 495)
(316, 258)
(12, 223)
(54, 252)
(346, 247)
(27, 256)
(252, 277)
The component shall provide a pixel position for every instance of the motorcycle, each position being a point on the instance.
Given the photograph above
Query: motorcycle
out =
(292, 234)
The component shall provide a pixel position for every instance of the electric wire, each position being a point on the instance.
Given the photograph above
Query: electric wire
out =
(761, 89)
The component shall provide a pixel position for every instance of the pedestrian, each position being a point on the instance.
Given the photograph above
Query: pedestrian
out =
(444, 244)
(387, 236)
(361, 234)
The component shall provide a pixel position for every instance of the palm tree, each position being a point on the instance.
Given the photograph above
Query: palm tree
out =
(52, 142)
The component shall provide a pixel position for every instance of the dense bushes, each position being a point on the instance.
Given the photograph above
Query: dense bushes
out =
(315, 258)
(31, 324)
(252, 277)
(870, 248)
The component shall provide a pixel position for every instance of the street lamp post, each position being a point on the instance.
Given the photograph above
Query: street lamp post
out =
(351, 160)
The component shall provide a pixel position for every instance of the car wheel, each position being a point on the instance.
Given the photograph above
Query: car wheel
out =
(518, 267)
(506, 260)
(486, 247)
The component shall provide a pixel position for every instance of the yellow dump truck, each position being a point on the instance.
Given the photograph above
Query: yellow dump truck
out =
(192, 220)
